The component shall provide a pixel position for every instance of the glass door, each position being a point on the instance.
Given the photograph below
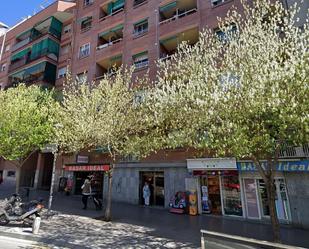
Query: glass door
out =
(214, 194)
(252, 205)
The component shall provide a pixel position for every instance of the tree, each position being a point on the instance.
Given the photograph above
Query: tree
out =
(27, 117)
(100, 115)
(244, 94)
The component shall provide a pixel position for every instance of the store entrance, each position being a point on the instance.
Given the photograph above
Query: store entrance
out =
(156, 184)
(96, 181)
(211, 197)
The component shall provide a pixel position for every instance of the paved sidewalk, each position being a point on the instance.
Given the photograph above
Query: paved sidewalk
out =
(139, 227)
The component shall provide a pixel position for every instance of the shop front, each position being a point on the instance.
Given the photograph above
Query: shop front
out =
(218, 185)
(78, 173)
(155, 180)
(255, 195)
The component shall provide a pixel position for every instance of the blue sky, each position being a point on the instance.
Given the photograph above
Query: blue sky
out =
(12, 11)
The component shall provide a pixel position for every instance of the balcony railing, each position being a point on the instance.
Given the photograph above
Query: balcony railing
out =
(111, 14)
(165, 57)
(34, 37)
(108, 44)
(295, 152)
(28, 58)
(85, 29)
(141, 64)
(175, 17)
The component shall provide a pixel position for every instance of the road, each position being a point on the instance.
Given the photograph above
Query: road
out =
(12, 243)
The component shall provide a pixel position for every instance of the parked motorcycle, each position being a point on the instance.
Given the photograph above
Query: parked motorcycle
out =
(16, 210)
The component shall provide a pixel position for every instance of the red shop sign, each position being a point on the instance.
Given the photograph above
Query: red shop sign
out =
(104, 167)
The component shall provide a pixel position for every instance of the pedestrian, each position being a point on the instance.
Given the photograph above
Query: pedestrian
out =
(146, 194)
(86, 191)
(95, 194)
(69, 186)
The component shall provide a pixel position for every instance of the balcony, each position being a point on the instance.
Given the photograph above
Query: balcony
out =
(169, 45)
(114, 8)
(110, 37)
(108, 66)
(295, 152)
(46, 47)
(50, 26)
(43, 72)
(178, 15)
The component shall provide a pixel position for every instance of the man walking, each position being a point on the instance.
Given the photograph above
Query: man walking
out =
(86, 191)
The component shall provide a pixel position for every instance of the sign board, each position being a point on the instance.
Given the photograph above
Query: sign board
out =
(102, 167)
(82, 159)
(288, 166)
(211, 163)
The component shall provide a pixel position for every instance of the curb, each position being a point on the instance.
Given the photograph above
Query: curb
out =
(34, 238)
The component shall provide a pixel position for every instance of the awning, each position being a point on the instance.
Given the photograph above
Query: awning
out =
(115, 29)
(88, 167)
(141, 21)
(169, 39)
(20, 54)
(140, 54)
(84, 19)
(212, 164)
(168, 6)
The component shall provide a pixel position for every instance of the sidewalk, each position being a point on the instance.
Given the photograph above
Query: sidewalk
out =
(139, 227)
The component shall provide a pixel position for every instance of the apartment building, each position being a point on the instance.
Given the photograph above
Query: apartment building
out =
(94, 37)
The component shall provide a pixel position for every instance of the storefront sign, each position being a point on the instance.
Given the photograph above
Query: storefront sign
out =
(82, 159)
(289, 166)
(104, 167)
(211, 163)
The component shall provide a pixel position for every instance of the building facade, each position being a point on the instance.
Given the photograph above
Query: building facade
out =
(94, 37)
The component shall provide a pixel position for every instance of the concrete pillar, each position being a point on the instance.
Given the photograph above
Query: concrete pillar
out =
(38, 171)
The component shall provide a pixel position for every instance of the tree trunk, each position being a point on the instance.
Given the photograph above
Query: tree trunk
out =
(51, 191)
(271, 194)
(17, 186)
(108, 216)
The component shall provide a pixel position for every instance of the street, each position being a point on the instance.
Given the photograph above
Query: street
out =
(12, 243)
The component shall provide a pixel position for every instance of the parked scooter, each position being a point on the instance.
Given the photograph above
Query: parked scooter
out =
(15, 210)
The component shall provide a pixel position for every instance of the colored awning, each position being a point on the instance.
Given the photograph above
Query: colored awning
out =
(84, 19)
(117, 28)
(140, 54)
(168, 6)
(20, 54)
(168, 39)
(141, 21)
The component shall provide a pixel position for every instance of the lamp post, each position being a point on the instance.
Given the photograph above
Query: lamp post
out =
(51, 148)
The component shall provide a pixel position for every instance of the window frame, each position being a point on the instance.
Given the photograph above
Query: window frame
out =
(81, 53)
(88, 2)
(63, 73)
(140, 24)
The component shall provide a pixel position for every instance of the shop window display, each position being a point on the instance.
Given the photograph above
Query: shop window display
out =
(231, 195)
(281, 199)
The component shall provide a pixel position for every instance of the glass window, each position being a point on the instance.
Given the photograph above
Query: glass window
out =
(84, 50)
(141, 27)
(67, 29)
(88, 2)
(86, 24)
(65, 49)
(231, 194)
(217, 2)
(81, 77)
(141, 60)
(11, 174)
(3, 67)
(7, 48)
(281, 201)
(251, 198)
(62, 72)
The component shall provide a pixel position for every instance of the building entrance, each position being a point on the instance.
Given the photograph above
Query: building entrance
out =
(156, 184)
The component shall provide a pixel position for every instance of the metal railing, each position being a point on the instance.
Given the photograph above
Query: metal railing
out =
(108, 44)
(294, 152)
(111, 14)
(217, 240)
(178, 16)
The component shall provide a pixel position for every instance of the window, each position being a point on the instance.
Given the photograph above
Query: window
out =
(141, 27)
(62, 72)
(86, 24)
(67, 29)
(81, 78)
(139, 2)
(3, 67)
(217, 2)
(7, 48)
(84, 50)
(1, 85)
(225, 35)
(65, 49)
(88, 2)
(11, 174)
(141, 60)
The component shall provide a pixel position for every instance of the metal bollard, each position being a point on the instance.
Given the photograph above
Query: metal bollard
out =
(36, 225)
